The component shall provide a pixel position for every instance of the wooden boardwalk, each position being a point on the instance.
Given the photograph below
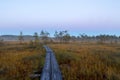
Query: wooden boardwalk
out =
(51, 69)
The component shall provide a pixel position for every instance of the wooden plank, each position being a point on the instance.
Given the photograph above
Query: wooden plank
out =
(51, 69)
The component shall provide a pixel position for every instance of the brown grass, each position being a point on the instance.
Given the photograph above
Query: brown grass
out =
(78, 61)
(88, 61)
(18, 61)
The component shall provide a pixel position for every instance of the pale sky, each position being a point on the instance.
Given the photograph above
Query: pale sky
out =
(77, 16)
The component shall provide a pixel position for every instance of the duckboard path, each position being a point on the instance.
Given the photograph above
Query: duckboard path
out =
(51, 69)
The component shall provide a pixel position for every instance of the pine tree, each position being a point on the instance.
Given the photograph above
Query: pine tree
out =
(21, 38)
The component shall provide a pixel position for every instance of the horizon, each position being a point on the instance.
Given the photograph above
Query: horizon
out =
(91, 17)
(52, 34)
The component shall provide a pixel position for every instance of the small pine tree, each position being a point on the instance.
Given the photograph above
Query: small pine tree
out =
(44, 36)
(1, 42)
(31, 44)
(36, 38)
(21, 37)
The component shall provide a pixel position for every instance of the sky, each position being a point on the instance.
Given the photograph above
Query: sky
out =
(77, 16)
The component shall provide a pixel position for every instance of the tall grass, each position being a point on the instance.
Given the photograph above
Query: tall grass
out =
(19, 61)
(88, 61)
(78, 61)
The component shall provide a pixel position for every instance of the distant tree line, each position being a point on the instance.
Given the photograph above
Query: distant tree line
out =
(65, 37)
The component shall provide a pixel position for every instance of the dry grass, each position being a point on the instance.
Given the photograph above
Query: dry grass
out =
(88, 61)
(78, 61)
(18, 61)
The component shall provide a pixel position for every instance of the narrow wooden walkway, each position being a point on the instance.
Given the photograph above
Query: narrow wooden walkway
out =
(51, 69)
